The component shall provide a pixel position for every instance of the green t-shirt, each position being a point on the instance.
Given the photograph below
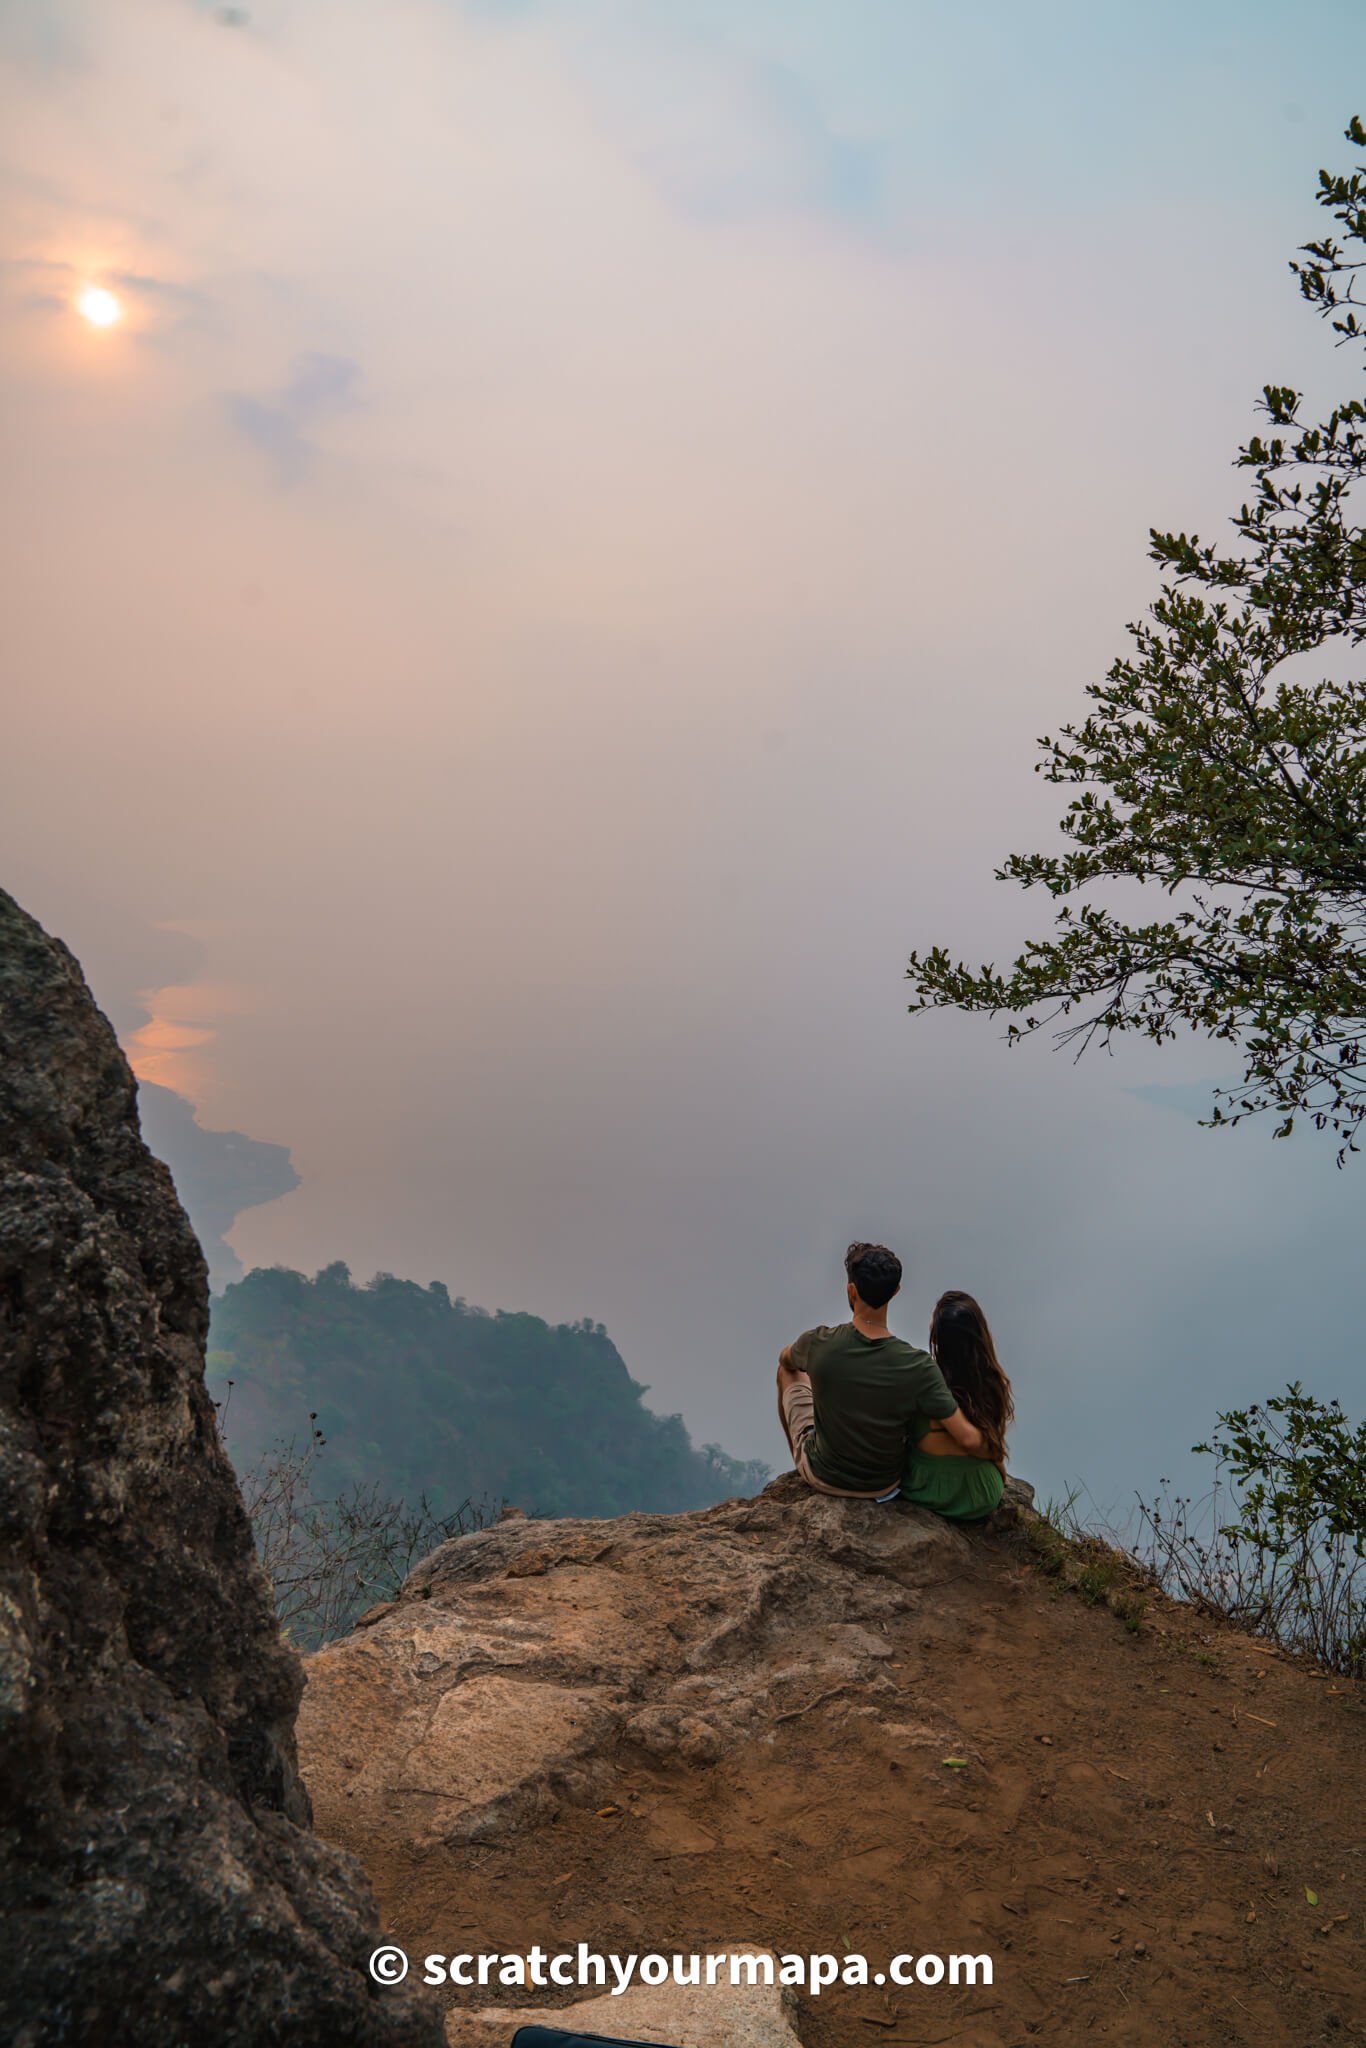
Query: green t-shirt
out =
(871, 1395)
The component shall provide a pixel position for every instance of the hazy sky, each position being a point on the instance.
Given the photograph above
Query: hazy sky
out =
(549, 592)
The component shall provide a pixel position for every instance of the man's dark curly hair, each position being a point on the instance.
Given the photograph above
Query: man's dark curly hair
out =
(875, 1272)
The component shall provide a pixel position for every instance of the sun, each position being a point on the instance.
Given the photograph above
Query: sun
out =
(99, 307)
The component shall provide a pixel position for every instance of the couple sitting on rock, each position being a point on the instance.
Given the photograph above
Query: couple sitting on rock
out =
(870, 1417)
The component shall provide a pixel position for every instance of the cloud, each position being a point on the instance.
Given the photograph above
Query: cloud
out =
(31, 285)
(725, 135)
(165, 290)
(725, 131)
(155, 305)
(45, 38)
(320, 387)
(224, 16)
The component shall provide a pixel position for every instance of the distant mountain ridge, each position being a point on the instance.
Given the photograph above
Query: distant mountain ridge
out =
(423, 1394)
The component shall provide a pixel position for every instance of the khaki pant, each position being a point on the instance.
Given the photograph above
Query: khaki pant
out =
(799, 1419)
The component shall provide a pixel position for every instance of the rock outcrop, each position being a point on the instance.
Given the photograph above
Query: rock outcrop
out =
(812, 1726)
(519, 1660)
(159, 1879)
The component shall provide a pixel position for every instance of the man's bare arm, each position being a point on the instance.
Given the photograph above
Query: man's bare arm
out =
(965, 1434)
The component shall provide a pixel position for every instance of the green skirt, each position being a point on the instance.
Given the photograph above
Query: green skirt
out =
(960, 1489)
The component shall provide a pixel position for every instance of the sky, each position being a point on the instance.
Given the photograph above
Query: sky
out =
(548, 594)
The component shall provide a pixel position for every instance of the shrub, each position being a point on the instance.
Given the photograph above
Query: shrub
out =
(329, 1558)
(1278, 1545)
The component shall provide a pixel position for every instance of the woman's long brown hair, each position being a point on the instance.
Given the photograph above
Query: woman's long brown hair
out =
(961, 1343)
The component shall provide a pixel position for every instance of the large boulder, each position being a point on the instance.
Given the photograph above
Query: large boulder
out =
(159, 1880)
(521, 1662)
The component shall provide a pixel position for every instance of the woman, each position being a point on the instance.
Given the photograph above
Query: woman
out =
(964, 1486)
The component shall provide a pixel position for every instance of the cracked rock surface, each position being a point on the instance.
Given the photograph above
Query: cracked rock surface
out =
(518, 1659)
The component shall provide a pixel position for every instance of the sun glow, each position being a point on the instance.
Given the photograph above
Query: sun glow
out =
(99, 307)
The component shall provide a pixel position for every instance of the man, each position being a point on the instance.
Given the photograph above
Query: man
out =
(851, 1394)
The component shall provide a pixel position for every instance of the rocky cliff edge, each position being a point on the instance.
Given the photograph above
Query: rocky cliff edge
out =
(159, 1880)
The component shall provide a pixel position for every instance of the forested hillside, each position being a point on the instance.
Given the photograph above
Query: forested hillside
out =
(418, 1394)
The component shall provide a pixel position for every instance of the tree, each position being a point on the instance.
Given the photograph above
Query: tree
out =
(422, 1397)
(1239, 792)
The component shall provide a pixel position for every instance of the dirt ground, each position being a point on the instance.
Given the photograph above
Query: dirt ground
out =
(1133, 1837)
